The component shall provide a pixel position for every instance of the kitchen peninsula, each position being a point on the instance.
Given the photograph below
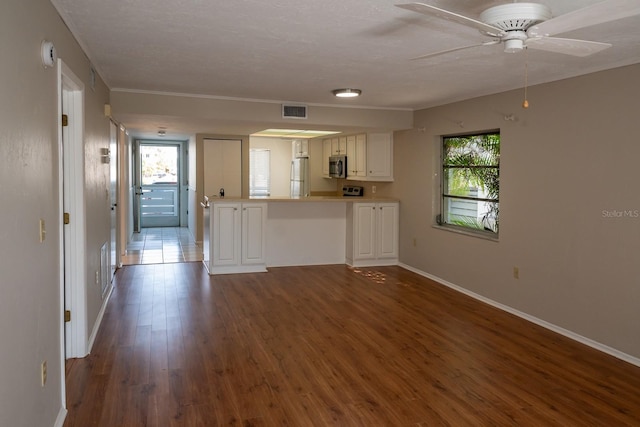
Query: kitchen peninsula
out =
(250, 235)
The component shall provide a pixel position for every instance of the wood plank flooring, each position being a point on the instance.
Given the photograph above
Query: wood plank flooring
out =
(332, 346)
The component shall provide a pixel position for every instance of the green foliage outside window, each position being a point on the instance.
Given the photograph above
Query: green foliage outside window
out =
(471, 181)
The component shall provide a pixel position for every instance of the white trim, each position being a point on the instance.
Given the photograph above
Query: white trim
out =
(378, 262)
(72, 103)
(61, 273)
(233, 269)
(62, 414)
(96, 325)
(565, 332)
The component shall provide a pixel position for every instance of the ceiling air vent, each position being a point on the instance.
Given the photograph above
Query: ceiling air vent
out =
(294, 111)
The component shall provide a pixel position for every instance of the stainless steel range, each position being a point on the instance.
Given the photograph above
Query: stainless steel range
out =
(352, 190)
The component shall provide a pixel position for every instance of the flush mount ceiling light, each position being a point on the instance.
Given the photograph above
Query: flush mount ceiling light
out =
(162, 131)
(346, 93)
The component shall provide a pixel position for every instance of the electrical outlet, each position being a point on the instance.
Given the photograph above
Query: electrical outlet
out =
(516, 273)
(43, 373)
(373, 189)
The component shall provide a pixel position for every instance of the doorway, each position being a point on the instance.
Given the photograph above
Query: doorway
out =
(157, 183)
(160, 213)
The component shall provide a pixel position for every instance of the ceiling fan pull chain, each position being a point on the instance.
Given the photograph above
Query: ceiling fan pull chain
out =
(525, 103)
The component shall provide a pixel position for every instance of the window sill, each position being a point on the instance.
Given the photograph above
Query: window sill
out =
(479, 234)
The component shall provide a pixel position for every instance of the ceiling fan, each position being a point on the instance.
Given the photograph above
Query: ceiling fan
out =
(531, 25)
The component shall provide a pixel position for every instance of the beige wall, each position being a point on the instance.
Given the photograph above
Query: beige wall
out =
(30, 309)
(566, 162)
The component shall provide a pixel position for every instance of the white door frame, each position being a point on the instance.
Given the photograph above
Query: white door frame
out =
(114, 196)
(73, 335)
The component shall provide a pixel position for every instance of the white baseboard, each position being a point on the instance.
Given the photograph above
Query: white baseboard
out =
(96, 325)
(62, 414)
(565, 332)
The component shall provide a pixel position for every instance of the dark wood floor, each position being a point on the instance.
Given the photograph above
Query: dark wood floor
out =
(332, 346)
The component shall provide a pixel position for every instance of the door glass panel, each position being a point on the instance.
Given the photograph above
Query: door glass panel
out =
(159, 201)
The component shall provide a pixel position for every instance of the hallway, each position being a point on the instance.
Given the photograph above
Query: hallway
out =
(162, 245)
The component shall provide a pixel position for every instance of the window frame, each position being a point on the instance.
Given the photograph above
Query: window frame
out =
(445, 198)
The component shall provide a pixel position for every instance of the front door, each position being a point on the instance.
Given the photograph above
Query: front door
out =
(158, 185)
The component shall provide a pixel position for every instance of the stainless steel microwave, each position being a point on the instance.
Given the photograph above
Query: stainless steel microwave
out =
(338, 166)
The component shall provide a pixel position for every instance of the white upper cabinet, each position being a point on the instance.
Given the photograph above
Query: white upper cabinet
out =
(380, 156)
(339, 146)
(369, 156)
(326, 153)
(357, 157)
(300, 148)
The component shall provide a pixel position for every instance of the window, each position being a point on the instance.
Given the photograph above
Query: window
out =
(259, 172)
(471, 182)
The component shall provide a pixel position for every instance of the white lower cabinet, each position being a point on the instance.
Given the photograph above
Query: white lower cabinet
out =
(372, 234)
(237, 237)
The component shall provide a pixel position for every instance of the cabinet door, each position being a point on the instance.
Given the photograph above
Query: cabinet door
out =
(253, 231)
(335, 146)
(380, 156)
(326, 153)
(352, 162)
(300, 148)
(342, 146)
(364, 225)
(387, 233)
(361, 155)
(226, 234)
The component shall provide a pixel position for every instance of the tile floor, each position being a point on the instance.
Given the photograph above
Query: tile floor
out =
(162, 245)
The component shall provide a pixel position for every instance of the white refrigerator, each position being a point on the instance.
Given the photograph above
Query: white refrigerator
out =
(300, 177)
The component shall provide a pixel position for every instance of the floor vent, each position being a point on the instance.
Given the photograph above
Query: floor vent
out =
(294, 111)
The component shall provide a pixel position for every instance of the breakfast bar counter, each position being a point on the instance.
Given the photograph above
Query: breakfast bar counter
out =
(252, 234)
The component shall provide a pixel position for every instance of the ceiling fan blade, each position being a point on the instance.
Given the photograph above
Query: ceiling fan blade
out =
(599, 13)
(442, 52)
(427, 9)
(566, 46)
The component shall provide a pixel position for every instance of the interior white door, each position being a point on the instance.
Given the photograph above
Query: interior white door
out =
(113, 193)
(73, 234)
(222, 167)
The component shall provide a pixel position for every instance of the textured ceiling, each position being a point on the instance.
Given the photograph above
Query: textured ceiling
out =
(299, 50)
